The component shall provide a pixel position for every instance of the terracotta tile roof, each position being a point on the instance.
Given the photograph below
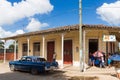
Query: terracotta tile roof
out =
(101, 26)
(64, 29)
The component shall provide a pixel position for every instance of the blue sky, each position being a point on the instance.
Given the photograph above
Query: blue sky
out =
(21, 16)
(89, 11)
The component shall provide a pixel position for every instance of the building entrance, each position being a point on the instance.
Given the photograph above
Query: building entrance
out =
(93, 45)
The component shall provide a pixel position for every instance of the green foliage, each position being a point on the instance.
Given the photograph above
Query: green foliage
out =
(11, 46)
(1, 45)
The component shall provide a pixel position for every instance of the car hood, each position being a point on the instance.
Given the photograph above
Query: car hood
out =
(12, 62)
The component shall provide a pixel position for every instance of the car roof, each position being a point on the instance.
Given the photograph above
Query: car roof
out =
(34, 57)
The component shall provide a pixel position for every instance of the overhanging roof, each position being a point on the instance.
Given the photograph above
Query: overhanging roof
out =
(112, 29)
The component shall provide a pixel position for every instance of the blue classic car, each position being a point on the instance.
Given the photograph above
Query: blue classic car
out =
(33, 64)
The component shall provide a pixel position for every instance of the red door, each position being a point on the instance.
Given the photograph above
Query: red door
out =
(67, 51)
(50, 50)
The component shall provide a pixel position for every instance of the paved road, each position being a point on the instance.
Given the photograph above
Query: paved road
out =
(62, 74)
(6, 74)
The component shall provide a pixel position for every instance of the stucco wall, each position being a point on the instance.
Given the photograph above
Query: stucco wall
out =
(94, 34)
(73, 35)
(52, 37)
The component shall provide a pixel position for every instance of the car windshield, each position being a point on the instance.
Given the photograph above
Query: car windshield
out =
(23, 58)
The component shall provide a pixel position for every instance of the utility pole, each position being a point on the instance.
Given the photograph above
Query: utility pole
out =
(80, 36)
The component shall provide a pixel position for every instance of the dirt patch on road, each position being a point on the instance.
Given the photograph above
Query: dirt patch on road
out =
(83, 78)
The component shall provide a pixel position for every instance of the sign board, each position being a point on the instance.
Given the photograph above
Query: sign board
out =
(109, 38)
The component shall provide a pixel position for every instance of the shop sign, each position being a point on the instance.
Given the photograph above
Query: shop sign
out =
(109, 38)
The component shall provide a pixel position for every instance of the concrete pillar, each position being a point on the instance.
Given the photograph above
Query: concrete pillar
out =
(28, 42)
(15, 50)
(62, 48)
(84, 51)
(43, 38)
(4, 51)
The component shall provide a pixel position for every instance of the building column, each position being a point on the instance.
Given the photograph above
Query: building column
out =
(43, 38)
(84, 51)
(28, 42)
(4, 51)
(62, 49)
(14, 50)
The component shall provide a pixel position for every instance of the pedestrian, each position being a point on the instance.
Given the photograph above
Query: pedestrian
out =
(54, 56)
(109, 60)
(102, 62)
(91, 59)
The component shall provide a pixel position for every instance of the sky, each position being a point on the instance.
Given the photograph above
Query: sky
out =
(23, 16)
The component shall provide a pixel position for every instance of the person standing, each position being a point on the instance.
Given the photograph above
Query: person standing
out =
(91, 59)
(102, 62)
(54, 56)
(109, 60)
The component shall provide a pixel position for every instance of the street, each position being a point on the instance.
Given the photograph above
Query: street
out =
(67, 73)
(6, 74)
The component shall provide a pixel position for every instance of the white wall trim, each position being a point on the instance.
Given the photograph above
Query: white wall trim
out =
(76, 63)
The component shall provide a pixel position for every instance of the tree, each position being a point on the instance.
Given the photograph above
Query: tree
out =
(11, 46)
(1, 45)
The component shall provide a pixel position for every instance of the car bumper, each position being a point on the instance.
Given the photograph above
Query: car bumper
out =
(51, 68)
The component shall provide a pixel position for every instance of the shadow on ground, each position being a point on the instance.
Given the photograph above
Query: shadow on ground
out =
(83, 78)
(54, 75)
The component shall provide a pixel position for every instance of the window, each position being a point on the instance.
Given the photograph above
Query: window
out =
(41, 59)
(28, 59)
(23, 59)
(25, 47)
(36, 46)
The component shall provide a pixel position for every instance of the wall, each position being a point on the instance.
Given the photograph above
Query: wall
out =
(9, 56)
(94, 34)
(74, 36)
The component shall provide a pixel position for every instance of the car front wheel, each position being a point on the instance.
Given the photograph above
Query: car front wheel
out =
(12, 67)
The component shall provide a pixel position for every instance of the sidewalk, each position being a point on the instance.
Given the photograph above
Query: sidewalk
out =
(101, 73)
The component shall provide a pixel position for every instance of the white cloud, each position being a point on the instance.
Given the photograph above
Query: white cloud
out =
(26, 8)
(4, 33)
(110, 12)
(18, 32)
(35, 25)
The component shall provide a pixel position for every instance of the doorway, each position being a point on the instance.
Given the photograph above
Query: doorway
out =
(93, 45)
(50, 50)
(36, 49)
(67, 51)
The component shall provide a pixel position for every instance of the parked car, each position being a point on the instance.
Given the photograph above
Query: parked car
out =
(33, 64)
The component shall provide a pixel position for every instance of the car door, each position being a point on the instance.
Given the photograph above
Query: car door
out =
(25, 65)
(18, 64)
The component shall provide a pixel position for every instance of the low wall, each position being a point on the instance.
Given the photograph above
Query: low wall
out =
(9, 56)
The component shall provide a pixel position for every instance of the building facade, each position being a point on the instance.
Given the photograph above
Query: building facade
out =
(64, 41)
